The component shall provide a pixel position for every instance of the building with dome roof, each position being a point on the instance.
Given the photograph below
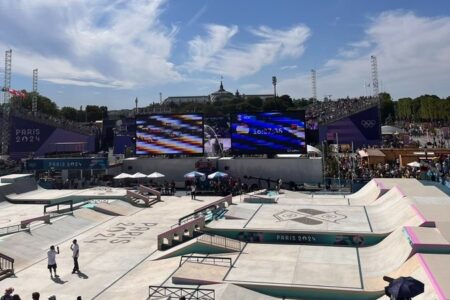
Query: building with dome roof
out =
(220, 94)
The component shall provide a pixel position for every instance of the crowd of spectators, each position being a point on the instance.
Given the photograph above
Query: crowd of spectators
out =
(327, 111)
(56, 121)
(351, 166)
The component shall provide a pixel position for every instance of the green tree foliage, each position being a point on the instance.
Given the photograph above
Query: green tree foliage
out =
(387, 107)
(423, 108)
(95, 113)
(69, 113)
(44, 104)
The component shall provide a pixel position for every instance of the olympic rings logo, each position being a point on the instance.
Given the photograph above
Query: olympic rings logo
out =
(368, 123)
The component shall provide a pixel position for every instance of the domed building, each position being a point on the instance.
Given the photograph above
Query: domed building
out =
(220, 94)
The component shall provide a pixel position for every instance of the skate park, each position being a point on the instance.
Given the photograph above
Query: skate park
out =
(119, 244)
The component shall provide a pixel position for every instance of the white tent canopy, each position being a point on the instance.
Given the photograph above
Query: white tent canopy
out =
(312, 149)
(138, 175)
(216, 175)
(156, 175)
(414, 164)
(194, 174)
(123, 176)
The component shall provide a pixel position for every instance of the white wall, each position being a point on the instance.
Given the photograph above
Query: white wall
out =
(299, 170)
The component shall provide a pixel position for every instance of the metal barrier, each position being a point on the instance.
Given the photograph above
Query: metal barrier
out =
(13, 229)
(221, 202)
(201, 259)
(57, 204)
(6, 263)
(166, 292)
(220, 241)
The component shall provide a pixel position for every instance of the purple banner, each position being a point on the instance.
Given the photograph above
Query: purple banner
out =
(361, 129)
(34, 138)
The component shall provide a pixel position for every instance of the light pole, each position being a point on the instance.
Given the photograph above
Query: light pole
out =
(274, 82)
(136, 102)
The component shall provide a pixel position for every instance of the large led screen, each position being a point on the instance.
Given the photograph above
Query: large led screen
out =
(169, 134)
(268, 133)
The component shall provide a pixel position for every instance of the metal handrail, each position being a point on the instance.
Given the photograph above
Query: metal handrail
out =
(221, 241)
(13, 229)
(202, 259)
(6, 262)
(167, 292)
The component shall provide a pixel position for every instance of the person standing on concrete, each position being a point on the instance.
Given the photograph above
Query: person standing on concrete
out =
(35, 296)
(51, 255)
(193, 188)
(75, 254)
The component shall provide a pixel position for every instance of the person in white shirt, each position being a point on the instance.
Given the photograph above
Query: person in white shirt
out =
(75, 254)
(51, 255)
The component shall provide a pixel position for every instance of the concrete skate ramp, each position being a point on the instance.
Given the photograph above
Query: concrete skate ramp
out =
(21, 183)
(45, 196)
(384, 258)
(26, 247)
(116, 208)
(390, 215)
(244, 212)
(393, 211)
(232, 292)
(368, 194)
(5, 189)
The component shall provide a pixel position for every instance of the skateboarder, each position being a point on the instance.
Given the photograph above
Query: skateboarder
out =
(75, 253)
(51, 255)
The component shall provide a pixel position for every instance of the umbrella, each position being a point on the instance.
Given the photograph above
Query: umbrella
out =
(123, 176)
(405, 287)
(217, 175)
(194, 174)
(414, 164)
(156, 175)
(312, 149)
(138, 175)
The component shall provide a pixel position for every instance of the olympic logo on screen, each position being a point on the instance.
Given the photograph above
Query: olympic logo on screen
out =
(368, 123)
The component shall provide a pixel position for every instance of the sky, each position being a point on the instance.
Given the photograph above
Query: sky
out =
(108, 52)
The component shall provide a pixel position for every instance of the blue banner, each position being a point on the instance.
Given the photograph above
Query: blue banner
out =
(66, 164)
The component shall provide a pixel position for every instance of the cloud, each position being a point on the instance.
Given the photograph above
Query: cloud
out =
(291, 67)
(115, 44)
(413, 54)
(215, 54)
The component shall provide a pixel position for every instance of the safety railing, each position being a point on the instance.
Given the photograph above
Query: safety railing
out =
(166, 292)
(215, 260)
(6, 262)
(13, 229)
(221, 241)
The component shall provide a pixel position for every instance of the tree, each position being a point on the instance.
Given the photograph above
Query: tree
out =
(93, 113)
(387, 106)
(69, 113)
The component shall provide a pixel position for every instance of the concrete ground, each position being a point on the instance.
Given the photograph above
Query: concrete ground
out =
(110, 248)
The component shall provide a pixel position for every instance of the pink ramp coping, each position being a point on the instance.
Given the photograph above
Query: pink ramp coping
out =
(402, 193)
(412, 235)
(437, 288)
(419, 213)
(380, 184)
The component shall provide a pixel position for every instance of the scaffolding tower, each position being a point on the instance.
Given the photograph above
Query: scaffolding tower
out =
(313, 84)
(6, 102)
(35, 88)
(373, 61)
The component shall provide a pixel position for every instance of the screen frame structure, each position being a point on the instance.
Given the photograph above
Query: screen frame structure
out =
(233, 120)
(170, 154)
